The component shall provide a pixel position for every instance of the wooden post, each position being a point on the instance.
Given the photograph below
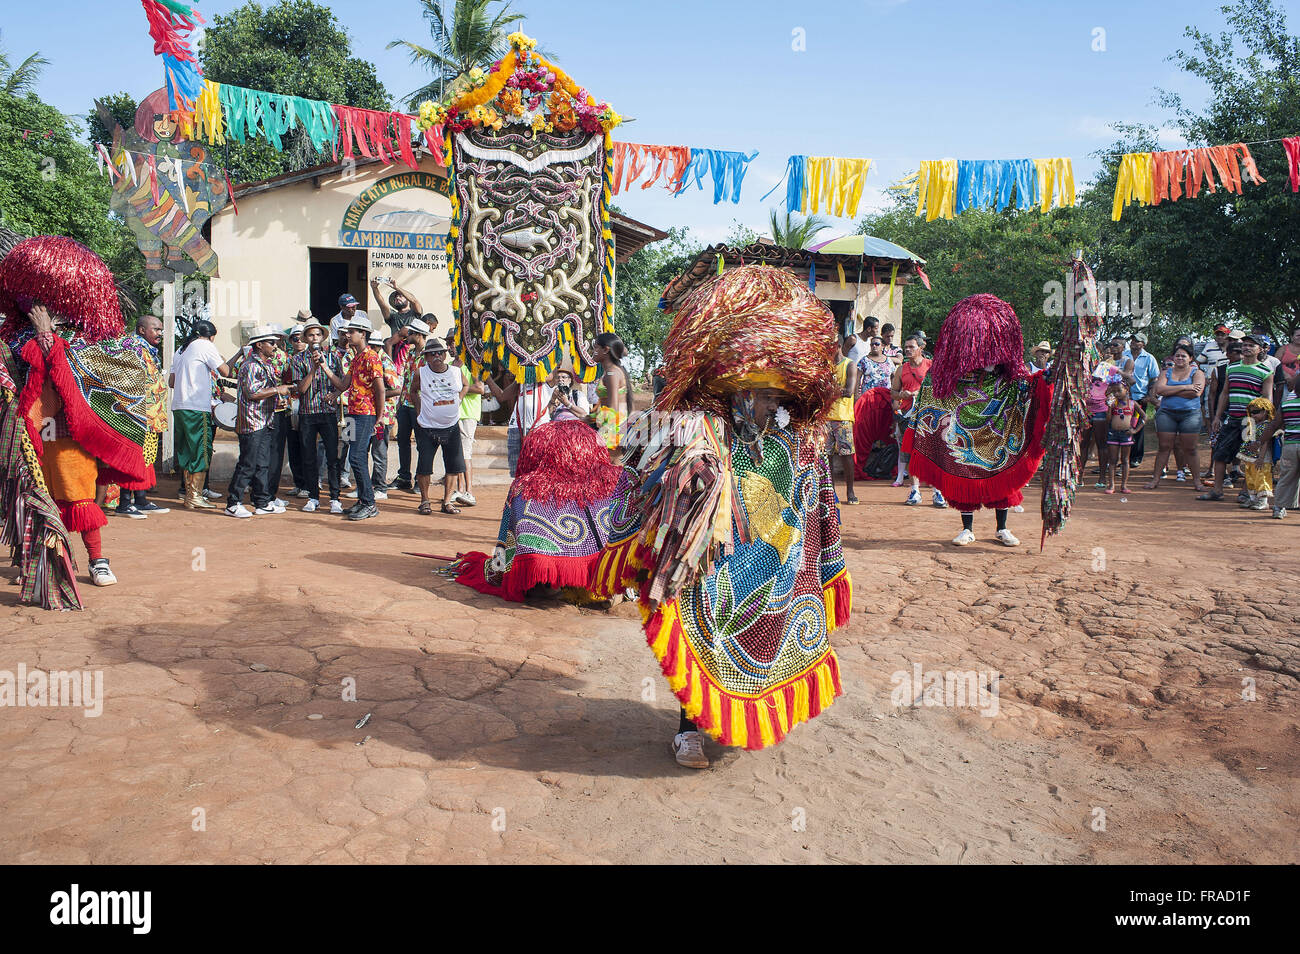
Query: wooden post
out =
(167, 450)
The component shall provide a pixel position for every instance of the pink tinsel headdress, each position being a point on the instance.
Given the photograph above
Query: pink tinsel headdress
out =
(980, 332)
(64, 276)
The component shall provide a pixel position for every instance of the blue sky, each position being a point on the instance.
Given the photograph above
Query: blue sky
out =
(893, 80)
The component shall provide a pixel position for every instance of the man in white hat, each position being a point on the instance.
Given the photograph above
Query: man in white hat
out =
(1042, 357)
(259, 390)
(293, 436)
(317, 412)
(437, 390)
(363, 380)
(406, 347)
(386, 417)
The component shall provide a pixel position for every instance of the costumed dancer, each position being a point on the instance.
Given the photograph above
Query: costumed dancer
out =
(557, 514)
(976, 433)
(93, 403)
(730, 526)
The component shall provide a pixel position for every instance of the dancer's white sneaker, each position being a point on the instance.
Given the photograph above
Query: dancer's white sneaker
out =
(1007, 538)
(964, 539)
(688, 750)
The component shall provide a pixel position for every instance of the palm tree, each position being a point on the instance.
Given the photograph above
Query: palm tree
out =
(473, 36)
(797, 231)
(20, 80)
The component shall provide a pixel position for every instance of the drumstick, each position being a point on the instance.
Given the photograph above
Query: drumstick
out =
(430, 556)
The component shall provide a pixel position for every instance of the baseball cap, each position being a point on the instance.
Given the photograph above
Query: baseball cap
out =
(1236, 335)
(1257, 339)
(1222, 330)
(418, 326)
(346, 299)
(360, 323)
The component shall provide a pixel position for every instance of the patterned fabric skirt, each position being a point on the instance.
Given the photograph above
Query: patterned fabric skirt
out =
(983, 443)
(610, 424)
(745, 647)
(556, 518)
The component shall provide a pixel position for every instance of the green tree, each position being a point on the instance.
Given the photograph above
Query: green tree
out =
(1011, 254)
(121, 106)
(1220, 256)
(294, 48)
(640, 282)
(21, 79)
(50, 185)
(796, 231)
(473, 35)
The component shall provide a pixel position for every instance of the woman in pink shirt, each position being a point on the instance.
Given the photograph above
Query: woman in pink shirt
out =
(1097, 416)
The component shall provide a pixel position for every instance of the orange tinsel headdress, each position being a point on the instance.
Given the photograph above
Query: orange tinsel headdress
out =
(752, 327)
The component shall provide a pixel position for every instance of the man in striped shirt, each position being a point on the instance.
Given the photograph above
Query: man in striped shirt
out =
(1246, 380)
(317, 412)
(259, 390)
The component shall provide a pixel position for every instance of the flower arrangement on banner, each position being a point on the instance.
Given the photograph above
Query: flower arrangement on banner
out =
(521, 89)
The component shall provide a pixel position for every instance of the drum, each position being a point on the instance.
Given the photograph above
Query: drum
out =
(225, 414)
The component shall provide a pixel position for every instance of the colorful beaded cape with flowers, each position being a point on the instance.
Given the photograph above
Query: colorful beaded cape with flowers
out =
(530, 250)
(745, 646)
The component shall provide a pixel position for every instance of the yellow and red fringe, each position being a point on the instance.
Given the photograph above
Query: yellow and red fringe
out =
(746, 721)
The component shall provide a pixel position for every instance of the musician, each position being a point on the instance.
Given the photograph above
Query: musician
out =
(192, 403)
(259, 391)
(309, 372)
(362, 386)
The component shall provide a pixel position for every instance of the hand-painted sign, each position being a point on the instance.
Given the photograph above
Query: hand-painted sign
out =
(410, 210)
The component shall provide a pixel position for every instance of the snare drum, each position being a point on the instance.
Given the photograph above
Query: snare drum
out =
(225, 414)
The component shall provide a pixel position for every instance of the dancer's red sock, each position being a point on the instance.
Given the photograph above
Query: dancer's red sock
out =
(93, 546)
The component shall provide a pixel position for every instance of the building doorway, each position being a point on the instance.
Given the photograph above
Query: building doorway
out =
(333, 272)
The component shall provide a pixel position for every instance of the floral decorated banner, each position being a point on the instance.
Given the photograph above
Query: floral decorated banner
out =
(530, 251)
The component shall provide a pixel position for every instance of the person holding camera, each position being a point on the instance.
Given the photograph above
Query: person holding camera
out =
(309, 372)
(568, 403)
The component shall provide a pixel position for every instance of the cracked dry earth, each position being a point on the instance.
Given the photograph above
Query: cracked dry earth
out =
(504, 732)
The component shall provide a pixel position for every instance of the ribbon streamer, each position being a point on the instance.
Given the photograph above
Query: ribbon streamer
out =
(726, 168)
(1291, 146)
(631, 159)
(1154, 177)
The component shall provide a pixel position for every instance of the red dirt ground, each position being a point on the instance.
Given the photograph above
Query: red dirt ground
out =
(506, 732)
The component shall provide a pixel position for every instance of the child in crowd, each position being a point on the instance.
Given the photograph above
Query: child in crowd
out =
(1257, 462)
(1124, 422)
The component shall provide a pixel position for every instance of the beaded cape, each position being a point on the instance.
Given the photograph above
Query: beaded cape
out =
(745, 645)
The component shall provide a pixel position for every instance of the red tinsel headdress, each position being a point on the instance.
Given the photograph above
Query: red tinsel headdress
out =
(752, 327)
(67, 278)
(981, 331)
